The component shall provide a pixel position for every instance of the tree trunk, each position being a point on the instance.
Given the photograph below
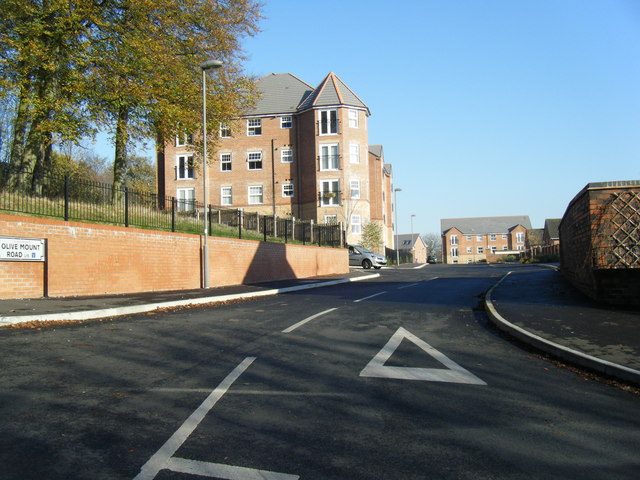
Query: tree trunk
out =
(20, 131)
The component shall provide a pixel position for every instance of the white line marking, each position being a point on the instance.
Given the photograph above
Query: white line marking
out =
(407, 286)
(370, 296)
(454, 373)
(228, 472)
(308, 319)
(420, 266)
(159, 460)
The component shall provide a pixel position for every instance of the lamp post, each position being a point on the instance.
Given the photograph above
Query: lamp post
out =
(210, 64)
(395, 223)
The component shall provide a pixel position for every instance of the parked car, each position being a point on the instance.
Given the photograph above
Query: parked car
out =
(432, 259)
(358, 255)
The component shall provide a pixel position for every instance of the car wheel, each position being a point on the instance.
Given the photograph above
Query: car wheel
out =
(366, 263)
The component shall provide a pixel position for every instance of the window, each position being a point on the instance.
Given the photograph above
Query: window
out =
(225, 196)
(454, 251)
(406, 242)
(519, 247)
(254, 127)
(286, 121)
(225, 130)
(504, 236)
(354, 153)
(468, 238)
(454, 240)
(287, 190)
(225, 162)
(469, 250)
(479, 238)
(329, 194)
(356, 224)
(184, 167)
(469, 260)
(353, 118)
(254, 160)
(355, 188)
(255, 194)
(331, 219)
(493, 249)
(520, 237)
(493, 237)
(184, 140)
(186, 199)
(329, 158)
(286, 155)
(480, 250)
(328, 122)
(504, 247)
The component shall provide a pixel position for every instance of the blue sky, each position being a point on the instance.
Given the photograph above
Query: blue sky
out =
(484, 107)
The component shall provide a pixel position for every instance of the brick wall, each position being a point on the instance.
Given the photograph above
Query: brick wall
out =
(86, 259)
(599, 242)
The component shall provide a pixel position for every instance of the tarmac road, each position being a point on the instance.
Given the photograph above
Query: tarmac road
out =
(395, 377)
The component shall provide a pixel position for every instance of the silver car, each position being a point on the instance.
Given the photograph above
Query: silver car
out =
(358, 255)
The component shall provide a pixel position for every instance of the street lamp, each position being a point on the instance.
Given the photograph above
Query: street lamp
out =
(413, 249)
(210, 64)
(395, 223)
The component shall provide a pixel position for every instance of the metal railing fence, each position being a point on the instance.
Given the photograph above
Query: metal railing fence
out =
(72, 198)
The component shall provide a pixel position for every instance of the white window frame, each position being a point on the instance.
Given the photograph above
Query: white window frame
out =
(453, 240)
(493, 237)
(454, 251)
(331, 219)
(469, 250)
(353, 118)
(254, 127)
(286, 121)
(354, 187)
(354, 153)
(519, 237)
(255, 192)
(479, 238)
(224, 130)
(480, 250)
(286, 155)
(254, 158)
(287, 190)
(505, 236)
(183, 140)
(226, 196)
(356, 224)
(225, 162)
(182, 172)
(329, 157)
(333, 186)
(185, 203)
(468, 238)
(326, 125)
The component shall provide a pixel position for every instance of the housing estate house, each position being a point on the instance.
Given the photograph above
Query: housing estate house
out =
(469, 240)
(413, 245)
(300, 152)
(551, 234)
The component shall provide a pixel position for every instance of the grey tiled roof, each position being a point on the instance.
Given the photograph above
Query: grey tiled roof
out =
(332, 91)
(407, 237)
(376, 150)
(552, 226)
(280, 93)
(484, 225)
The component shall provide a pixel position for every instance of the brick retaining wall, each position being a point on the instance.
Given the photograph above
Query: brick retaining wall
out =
(87, 259)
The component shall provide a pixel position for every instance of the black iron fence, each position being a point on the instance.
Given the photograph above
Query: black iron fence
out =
(71, 198)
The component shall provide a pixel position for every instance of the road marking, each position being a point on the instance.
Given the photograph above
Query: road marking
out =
(160, 459)
(367, 298)
(228, 472)
(420, 266)
(407, 286)
(454, 373)
(302, 322)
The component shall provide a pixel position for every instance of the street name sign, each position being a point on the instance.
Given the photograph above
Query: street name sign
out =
(22, 249)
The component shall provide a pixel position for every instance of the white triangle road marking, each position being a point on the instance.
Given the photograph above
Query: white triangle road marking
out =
(454, 373)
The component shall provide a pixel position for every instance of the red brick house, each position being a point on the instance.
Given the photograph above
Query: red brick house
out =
(470, 240)
(301, 152)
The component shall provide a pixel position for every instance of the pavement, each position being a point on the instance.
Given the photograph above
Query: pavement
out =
(536, 306)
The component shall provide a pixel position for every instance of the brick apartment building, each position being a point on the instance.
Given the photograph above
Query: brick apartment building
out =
(470, 240)
(301, 152)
